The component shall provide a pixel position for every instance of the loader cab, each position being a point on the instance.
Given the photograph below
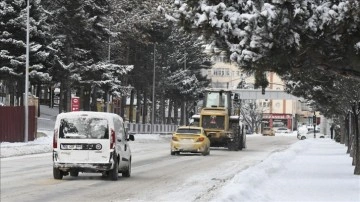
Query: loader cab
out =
(215, 99)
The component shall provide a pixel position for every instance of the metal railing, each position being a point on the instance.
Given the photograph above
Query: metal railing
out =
(137, 128)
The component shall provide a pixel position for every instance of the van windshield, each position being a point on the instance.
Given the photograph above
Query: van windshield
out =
(84, 128)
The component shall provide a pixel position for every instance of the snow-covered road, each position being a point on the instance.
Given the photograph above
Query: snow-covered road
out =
(156, 175)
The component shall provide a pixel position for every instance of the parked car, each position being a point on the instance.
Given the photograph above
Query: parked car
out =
(282, 130)
(91, 142)
(190, 139)
(310, 134)
(267, 131)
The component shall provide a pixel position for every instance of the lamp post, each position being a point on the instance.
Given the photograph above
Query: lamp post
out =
(153, 96)
(26, 104)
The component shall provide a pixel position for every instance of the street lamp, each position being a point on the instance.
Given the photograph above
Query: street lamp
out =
(26, 104)
(153, 96)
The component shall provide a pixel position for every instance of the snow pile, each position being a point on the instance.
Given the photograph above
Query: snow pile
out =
(244, 186)
(310, 170)
(40, 145)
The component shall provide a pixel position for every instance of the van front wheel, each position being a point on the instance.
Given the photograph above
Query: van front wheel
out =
(58, 174)
(127, 172)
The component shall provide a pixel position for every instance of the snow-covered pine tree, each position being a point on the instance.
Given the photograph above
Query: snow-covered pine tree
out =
(184, 58)
(280, 35)
(13, 46)
(81, 34)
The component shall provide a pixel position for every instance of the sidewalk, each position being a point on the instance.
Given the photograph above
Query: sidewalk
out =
(310, 170)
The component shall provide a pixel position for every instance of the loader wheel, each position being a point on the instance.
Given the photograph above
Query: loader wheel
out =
(242, 140)
(241, 143)
(235, 144)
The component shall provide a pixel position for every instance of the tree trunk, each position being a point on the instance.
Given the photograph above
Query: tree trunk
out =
(343, 131)
(351, 135)
(61, 97)
(356, 141)
(169, 121)
(87, 93)
(176, 112)
(51, 98)
(93, 99)
(138, 106)
(38, 90)
(182, 111)
(131, 105)
(12, 90)
(68, 98)
(162, 109)
(19, 93)
(145, 108)
(122, 106)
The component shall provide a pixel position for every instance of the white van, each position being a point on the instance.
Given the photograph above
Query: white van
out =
(91, 142)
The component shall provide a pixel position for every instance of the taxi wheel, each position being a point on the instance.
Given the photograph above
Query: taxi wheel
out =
(303, 137)
(206, 152)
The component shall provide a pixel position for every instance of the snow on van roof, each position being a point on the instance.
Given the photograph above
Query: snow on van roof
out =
(88, 114)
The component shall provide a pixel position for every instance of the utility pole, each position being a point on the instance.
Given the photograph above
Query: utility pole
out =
(314, 123)
(153, 96)
(26, 102)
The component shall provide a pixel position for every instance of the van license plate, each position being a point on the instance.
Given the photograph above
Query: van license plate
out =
(81, 146)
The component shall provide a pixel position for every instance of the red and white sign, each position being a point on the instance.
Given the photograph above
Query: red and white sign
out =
(276, 116)
(75, 104)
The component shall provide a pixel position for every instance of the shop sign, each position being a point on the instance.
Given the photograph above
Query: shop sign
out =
(276, 116)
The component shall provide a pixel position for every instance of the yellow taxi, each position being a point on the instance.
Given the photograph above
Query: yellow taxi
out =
(190, 139)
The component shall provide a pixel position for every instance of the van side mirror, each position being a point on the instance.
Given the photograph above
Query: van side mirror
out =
(131, 137)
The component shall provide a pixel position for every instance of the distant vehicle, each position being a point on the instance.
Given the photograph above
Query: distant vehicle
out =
(282, 130)
(267, 131)
(91, 142)
(310, 134)
(311, 127)
(190, 139)
(312, 130)
(2, 104)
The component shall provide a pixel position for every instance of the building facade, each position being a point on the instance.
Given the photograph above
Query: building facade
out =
(276, 113)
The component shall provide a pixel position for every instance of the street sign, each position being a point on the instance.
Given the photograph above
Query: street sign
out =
(75, 104)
